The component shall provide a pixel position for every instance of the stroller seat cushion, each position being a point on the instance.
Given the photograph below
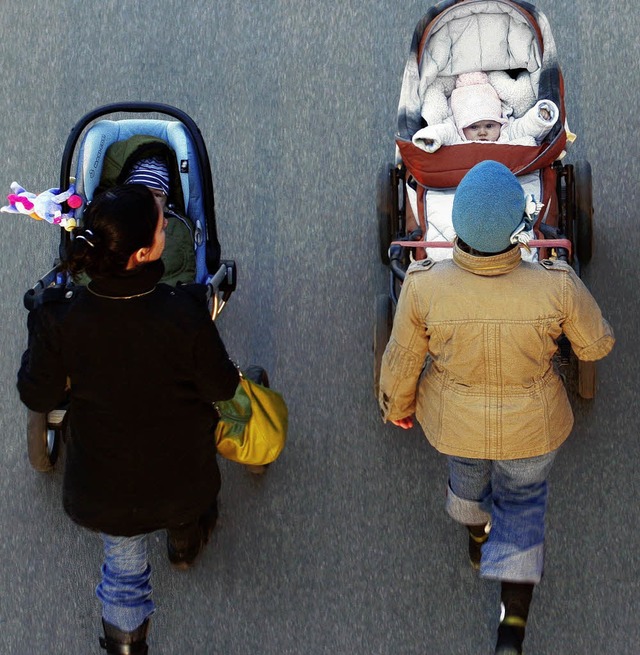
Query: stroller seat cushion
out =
(106, 132)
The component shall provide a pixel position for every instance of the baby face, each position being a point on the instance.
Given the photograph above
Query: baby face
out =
(482, 131)
(159, 197)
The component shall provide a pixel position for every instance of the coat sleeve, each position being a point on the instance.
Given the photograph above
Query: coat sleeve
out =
(216, 376)
(42, 378)
(430, 138)
(404, 356)
(532, 123)
(590, 334)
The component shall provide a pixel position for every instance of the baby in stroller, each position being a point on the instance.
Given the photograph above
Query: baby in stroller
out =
(104, 152)
(147, 160)
(478, 72)
(478, 114)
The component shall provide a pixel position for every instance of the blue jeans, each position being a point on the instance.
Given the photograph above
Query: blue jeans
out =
(513, 495)
(125, 589)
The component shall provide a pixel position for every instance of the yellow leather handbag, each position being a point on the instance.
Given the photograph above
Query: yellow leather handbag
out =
(253, 424)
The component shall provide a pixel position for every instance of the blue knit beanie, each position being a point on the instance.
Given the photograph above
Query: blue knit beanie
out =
(487, 207)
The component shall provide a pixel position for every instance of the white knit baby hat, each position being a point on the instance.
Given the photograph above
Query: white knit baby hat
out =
(473, 100)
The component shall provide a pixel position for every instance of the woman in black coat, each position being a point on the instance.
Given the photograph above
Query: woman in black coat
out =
(145, 364)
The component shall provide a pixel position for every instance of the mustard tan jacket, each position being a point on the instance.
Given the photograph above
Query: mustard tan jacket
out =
(471, 353)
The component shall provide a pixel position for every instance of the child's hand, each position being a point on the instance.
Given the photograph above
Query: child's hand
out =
(543, 112)
(426, 139)
(404, 423)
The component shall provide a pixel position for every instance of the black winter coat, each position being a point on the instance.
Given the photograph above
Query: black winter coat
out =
(145, 363)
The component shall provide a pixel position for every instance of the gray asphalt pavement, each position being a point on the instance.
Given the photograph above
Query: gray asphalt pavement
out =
(344, 546)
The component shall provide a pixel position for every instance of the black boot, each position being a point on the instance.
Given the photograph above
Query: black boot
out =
(118, 642)
(478, 534)
(516, 598)
(185, 543)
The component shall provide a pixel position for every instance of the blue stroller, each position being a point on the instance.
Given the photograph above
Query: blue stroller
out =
(86, 146)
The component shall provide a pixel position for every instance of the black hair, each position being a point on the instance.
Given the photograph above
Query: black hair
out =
(116, 224)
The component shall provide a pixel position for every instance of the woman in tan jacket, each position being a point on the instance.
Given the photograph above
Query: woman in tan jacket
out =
(490, 398)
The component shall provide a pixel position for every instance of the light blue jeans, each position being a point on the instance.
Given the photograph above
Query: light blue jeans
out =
(513, 495)
(125, 589)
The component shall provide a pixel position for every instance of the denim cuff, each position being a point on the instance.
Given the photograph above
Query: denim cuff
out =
(502, 561)
(127, 619)
(467, 512)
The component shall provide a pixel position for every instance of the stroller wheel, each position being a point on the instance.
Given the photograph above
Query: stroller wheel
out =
(381, 334)
(384, 203)
(587, 379)
(257, 374)
(584, 211)
(254, 469)
(43, 441)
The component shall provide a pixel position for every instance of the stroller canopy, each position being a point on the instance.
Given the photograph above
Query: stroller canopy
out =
(464, 36)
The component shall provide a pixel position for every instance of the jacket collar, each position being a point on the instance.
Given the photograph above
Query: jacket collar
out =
(488, 266)
(131, 284)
